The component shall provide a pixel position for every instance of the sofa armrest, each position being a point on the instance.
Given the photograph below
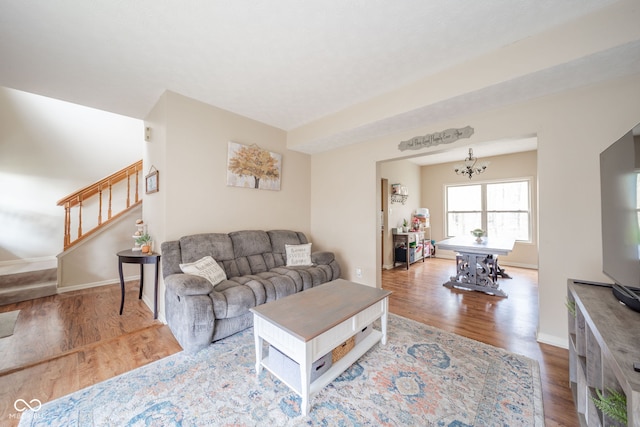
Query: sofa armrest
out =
(322, 257)
(187, 284)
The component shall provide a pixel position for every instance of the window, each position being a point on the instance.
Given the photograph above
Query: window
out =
(503, 209)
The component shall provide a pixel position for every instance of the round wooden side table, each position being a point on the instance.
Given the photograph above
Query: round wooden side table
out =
(137, 257)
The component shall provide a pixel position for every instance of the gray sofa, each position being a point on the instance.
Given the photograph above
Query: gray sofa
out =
(255, 265)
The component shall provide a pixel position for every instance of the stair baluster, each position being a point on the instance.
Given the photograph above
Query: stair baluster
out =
(81, 197)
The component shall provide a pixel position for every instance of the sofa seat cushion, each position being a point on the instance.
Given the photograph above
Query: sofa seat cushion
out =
(232, 299)
(237, 295)
(306, 277)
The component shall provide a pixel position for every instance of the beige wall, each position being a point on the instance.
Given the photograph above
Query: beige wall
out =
(572, 129)
(93, 261)
(49, 149)
(189, 149)
(510, 166)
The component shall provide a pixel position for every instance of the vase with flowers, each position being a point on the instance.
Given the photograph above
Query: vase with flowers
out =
(478, 233)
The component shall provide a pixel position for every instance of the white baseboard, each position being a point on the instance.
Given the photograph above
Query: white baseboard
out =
(149, 304)
(82, 286)
(553, 340)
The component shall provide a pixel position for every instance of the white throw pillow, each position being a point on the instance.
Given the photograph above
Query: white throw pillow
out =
(206, 267)
(298, 255)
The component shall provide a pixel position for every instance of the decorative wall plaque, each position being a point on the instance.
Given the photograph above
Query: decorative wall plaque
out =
(445, 137)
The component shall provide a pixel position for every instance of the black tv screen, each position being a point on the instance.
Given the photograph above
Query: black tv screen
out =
(619, 172)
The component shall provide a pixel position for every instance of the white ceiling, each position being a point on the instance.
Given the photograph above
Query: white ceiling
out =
(487, 149)
(283, 62)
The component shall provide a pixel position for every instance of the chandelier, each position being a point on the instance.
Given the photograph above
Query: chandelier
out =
(470, 166)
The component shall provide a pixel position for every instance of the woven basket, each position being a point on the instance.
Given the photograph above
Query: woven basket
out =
(344, 348)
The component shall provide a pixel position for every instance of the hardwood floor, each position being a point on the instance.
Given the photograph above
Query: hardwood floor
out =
(508, 323)
(70, 341)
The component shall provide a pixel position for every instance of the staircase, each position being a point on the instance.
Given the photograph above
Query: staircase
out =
(28, 281)
(24, 280)
(96, 194)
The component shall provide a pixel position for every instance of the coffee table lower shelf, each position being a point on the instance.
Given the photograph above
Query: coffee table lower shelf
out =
(335, 370)
(307, 326)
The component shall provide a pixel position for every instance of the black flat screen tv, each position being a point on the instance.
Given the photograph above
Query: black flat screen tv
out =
(619, 185)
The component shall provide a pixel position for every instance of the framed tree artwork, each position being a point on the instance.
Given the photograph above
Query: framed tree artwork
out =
(250, 166)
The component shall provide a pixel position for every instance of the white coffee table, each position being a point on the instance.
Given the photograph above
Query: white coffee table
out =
(307, 325)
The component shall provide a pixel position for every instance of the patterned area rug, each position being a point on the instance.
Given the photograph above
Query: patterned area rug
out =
(423, 376)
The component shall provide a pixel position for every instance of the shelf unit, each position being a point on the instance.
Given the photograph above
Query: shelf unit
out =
(405, 240)
(604, 342)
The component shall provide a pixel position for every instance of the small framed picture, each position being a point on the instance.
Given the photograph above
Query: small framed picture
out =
(151, 181)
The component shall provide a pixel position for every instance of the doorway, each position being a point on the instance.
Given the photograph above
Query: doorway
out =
(384, 200)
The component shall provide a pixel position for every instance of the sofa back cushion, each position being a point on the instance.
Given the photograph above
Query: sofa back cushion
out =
(252, 251)
(280, 238)
(192, 248)
(216, 245)
(240, 252)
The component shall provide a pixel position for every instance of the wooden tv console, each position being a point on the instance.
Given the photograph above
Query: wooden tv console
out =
(604, 342)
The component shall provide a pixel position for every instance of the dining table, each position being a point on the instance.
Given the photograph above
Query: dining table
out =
(477, 263)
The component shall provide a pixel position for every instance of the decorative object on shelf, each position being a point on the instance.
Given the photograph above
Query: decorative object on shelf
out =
(145, 243)
(405, 226)
(151, 181)
(422, 217)
(614, 404)
(470, 166)
(478, 233)
(250, 166)
(399, 193)
(445, 137)
(422, 212)
(141, 229)
(571, 306)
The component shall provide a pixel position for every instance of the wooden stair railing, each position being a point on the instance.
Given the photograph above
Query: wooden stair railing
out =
(80, 197)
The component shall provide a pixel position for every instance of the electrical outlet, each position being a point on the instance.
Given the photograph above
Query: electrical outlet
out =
(358, 272)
